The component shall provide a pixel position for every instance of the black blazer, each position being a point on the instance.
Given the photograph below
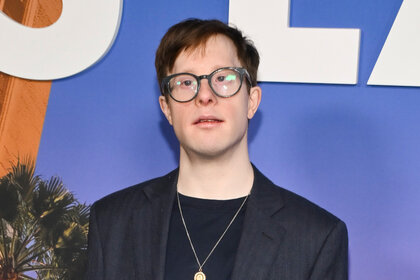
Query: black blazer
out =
(284, 235)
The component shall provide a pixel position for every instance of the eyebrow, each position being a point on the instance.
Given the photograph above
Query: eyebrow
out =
(212, 70)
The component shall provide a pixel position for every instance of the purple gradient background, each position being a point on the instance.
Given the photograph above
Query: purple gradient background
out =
(352, 149)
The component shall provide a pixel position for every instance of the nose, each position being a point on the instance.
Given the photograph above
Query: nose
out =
(205, 95)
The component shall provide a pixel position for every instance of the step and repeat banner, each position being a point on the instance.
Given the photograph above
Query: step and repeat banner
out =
(338, 122)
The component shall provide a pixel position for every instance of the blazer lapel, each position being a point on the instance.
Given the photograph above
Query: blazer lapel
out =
(260, 240)
(151, 226)
(261, 236)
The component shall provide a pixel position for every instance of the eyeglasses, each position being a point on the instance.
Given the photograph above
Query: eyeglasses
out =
(224, 82)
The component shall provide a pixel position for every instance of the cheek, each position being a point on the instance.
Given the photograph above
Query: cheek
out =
(239, 114)
(179, 119)
(244, 109)
(177, 112)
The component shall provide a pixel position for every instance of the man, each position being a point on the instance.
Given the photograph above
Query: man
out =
(216, 216)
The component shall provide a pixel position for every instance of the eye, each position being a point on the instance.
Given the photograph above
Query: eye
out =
(225, 77)
(186, 83)
(183, 81)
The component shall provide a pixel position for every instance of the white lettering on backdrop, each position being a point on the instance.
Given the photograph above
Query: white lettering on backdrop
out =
(399, 61)
(82, 35)
(305, 55)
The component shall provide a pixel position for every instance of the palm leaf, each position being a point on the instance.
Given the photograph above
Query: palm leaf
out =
(9, 200)
(43, 228)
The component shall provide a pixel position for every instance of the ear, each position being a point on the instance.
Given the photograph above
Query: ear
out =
(166, 110)
(254, 100)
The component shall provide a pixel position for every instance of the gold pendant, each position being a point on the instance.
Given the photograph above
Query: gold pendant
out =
(199, 276)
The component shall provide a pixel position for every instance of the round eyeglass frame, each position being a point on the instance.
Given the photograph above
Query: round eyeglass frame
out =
(242, 72)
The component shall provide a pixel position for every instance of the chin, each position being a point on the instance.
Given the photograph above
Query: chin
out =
(208, 152)
(211, 146)
(212, 151)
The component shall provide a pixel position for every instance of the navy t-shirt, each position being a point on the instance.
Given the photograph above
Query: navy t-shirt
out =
(206, 221)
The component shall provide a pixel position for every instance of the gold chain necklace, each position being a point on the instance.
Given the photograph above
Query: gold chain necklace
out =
(200, 274)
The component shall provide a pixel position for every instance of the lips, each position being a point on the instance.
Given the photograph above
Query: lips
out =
(207, 120)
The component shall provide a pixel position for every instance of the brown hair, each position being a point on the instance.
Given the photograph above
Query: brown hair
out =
(192, 33)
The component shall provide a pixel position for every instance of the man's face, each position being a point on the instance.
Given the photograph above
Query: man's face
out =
(209, 126)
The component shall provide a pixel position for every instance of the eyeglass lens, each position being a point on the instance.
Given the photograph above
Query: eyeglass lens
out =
(224, 83)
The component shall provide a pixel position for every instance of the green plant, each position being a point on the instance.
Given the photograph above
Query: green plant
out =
(43, 228)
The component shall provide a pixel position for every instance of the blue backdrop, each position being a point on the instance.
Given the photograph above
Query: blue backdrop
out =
(352, 149)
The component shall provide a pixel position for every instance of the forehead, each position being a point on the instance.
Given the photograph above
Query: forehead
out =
(218, 51)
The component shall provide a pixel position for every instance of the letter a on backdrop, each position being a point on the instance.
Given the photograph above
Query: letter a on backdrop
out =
(302, 55)
(399, 61)
(82, 35)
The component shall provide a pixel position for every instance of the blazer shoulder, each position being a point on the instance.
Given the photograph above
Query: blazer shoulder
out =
(133, 196)
(308, 210)
(296, 209)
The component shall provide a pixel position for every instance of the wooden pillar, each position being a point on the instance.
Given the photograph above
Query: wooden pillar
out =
(23, 103)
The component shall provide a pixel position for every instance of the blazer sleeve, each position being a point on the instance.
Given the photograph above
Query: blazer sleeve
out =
(95, 267)
(332, 260)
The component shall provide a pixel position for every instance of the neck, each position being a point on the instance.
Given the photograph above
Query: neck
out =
(223, 177)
